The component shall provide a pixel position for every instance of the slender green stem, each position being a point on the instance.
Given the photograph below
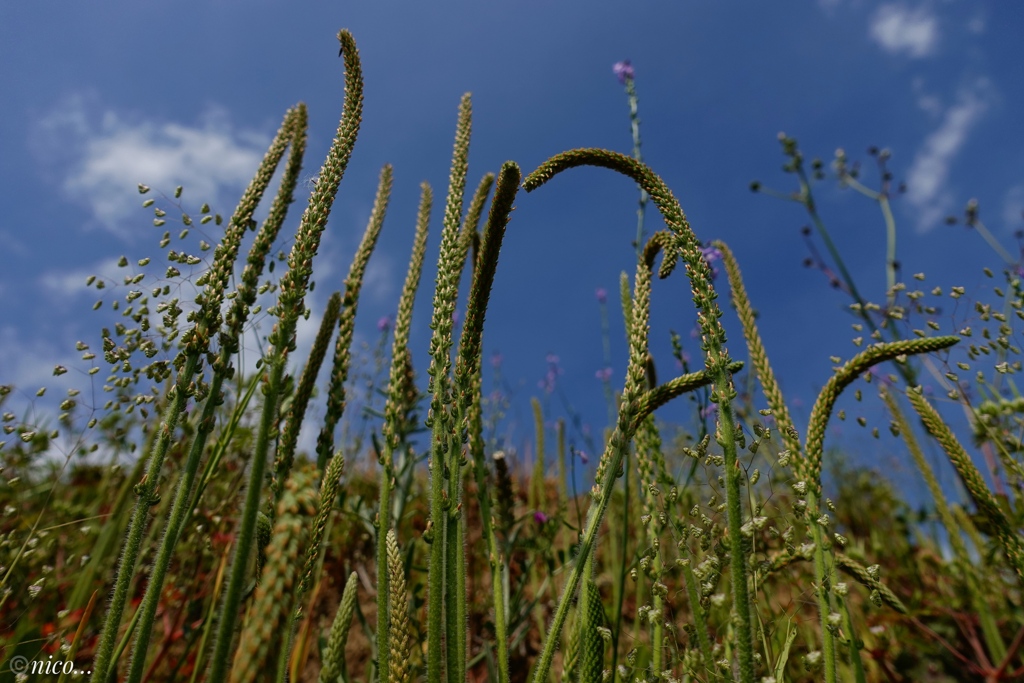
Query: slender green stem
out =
(104, 662)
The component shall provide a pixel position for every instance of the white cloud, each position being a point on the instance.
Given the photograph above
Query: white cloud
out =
(926, 101)
(103, 156)
(1013, 207)
(899, 29)
(928, 178)
(62, 283)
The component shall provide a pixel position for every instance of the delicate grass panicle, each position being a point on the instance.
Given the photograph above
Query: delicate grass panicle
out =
(718, 557)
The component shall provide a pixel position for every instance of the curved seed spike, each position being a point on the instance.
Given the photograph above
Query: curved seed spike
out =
(809, 468)
(755, 347)
(663, 393)
(857, 571)
(1009, 540)
(292, 292)
(347, 320)
(661, 241)
(334, 656)
(716, 361)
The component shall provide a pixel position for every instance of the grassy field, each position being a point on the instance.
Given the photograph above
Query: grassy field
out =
(184, 537)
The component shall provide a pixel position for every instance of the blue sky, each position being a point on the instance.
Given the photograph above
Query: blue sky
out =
(101, 96)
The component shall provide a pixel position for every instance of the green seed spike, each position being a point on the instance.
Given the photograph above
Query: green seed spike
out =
(297, 409)
(445, 439)
(396, 409)
(1009, 540)
(400, 632)
(271, 608)
(328, 492)
(469, 236)
(334, 656)
(755, 347)
(809, 469)
(292, 291)
(591, 642)
(347, 319)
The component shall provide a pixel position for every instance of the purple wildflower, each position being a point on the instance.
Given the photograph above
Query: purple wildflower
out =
(604, 374)
(602, 295)
(548, 383)
(539, 517)
(496, 359)
(711, 254)
(384, 324)
(623, 70)
(709, 411)
(583, 457)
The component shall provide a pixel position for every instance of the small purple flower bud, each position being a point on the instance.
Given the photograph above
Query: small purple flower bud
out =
(539, 517)
(709, 411)
(602, 295)
(583, 457)
(384, 324)
(623, 70)
(496, 360)
(604, 374)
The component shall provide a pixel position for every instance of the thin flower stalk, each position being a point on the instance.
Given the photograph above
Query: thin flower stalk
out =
(347, 319)
(717, 358)
(627, 77)
(446, 428)
(290, 305)
(394, 415)
(615, 452)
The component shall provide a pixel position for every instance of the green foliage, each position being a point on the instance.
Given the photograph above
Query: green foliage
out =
(732, 576)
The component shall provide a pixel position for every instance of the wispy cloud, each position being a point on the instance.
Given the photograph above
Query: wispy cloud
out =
(901, 30)
(63, 283)
(1013, 207)
(928, 178)
(102, 156)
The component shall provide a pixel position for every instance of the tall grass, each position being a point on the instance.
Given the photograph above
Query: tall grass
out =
(235, 571)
